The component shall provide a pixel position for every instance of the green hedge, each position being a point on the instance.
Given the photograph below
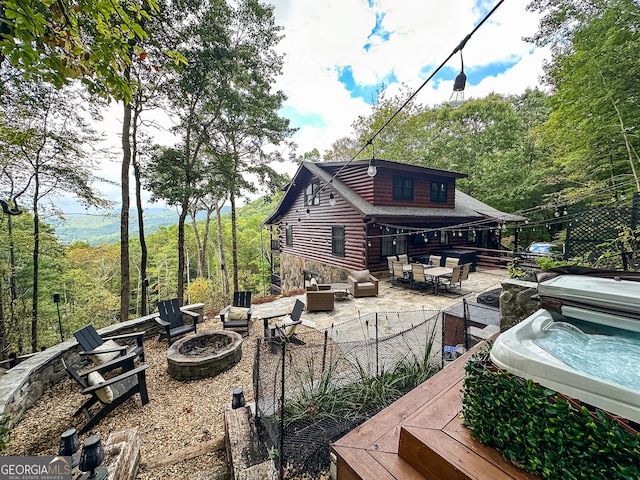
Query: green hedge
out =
(542, 431)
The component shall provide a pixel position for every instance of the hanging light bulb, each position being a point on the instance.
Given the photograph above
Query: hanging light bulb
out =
(564, 212)
(457, 96)
(368, 243)
(372, 170)
(332, 199)
(394, 240)
(556, 214)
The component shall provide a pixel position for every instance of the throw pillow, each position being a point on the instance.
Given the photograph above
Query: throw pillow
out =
(238, 313)
(100, 358)
(105, 394)
(361, 276)
(313, 285)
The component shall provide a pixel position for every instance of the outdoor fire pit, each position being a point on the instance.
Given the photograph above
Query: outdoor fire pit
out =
(204, 354)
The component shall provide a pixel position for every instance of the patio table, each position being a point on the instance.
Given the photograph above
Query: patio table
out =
(436, 273)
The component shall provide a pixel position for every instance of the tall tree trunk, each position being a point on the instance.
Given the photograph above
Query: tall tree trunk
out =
(144, 302)
(234, 241)
(36, 251)
(196, 234)
(181, 221)
(125, 286)
(221, 256)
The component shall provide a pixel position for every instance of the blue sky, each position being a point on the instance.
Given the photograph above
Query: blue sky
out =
(339, 54)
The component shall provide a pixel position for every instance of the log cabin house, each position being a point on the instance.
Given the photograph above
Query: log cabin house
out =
(335, 218)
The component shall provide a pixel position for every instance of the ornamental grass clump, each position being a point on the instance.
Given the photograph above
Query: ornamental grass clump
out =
(544, 432)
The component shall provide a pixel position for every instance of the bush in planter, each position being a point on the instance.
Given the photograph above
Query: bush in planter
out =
(542, 431)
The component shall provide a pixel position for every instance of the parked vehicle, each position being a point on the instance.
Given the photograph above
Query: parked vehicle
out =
(543, 249)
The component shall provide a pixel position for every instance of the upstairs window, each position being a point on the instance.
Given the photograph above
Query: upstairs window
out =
(402, 188)
(311, 195)
(438, 192)
(337, 240)
(289, 235)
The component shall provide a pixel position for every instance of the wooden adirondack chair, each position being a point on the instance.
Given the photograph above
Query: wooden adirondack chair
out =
(172, 321)
(284, 330)
(104, 349)
(238, 315)
(112, 393)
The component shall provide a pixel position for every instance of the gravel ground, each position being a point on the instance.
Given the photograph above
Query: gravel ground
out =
(178, 415)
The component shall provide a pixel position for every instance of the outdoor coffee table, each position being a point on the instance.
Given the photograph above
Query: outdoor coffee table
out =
(341, 291)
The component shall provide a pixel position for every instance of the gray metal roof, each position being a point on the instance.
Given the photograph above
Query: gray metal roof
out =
(466, 207)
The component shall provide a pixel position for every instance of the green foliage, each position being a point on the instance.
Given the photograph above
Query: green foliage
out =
(5, 439)
(60, 41)
(515, 271)
(200, 290)
(318, 396)
(540, 431)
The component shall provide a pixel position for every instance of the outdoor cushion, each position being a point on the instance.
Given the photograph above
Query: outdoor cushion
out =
(100, 358)
(361, 276)
(365, 285)
(237, 313)
(313, 285)
(105, 394)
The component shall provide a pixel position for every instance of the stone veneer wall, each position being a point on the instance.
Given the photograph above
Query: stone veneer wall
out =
(22, 385)
(516, 302)
(291, 267)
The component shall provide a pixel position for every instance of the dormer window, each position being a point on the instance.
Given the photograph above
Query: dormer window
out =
(438, 192)
(311, 195)
(402, 188)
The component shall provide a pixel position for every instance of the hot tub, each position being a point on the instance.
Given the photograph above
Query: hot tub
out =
(587, 309)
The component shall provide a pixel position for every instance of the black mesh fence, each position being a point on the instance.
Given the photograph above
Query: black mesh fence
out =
(345, 374)
(328, 386)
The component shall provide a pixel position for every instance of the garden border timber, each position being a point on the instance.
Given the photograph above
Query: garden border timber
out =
(22, 385)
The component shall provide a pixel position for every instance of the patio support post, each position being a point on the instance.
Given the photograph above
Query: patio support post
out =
(324, 350)
(377, 352)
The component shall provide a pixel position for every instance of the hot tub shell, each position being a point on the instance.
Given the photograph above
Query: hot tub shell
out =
(603, 301)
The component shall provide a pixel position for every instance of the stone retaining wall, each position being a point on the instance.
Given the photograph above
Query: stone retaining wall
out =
(517, 302)
(22, 385)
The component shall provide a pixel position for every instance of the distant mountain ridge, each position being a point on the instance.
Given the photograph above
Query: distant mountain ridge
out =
(101, 229)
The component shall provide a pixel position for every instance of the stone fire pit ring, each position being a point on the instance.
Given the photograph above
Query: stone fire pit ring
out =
(220, 350)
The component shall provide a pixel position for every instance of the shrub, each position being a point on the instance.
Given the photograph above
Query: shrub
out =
(542, 431)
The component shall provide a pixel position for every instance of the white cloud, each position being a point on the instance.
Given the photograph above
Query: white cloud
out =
(323, 35)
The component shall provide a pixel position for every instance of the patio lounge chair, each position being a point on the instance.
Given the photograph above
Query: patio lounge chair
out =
(237, 316)
(363, 284)
(172, 321)
(285, 329)
(104, 349)
(109, 394)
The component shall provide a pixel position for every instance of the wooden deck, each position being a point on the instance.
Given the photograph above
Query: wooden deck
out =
(420, 437)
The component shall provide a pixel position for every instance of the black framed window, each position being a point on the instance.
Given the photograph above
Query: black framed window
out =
(337, 240)
(289, 235)
(438, 192)
(393, 244)
(402, 188)
(311, 196)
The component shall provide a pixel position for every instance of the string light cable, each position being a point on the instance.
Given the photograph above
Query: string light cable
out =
(458, 48)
